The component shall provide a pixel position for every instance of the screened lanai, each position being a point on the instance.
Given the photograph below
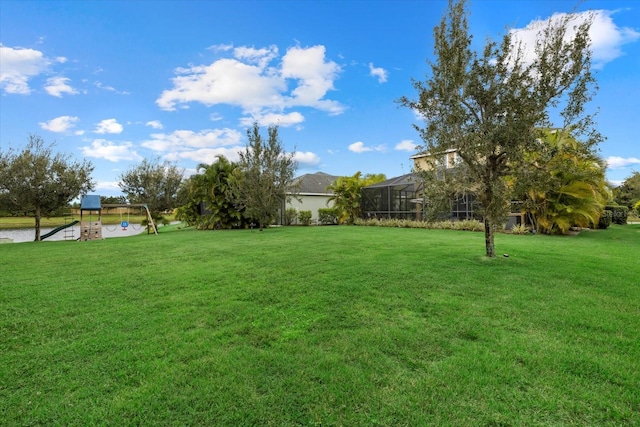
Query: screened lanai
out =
(393, 198)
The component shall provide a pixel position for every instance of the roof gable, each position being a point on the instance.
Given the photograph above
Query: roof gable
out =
(314, 183)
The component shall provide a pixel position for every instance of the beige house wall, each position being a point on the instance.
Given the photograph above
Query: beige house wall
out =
(310, 202)
(449, 158)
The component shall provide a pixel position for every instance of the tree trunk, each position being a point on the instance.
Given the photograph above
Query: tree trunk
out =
(488, 239)
(37, 218)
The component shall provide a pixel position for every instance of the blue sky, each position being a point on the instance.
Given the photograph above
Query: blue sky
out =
(119, 81)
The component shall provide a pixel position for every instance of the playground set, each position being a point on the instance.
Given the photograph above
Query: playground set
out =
(91, 210)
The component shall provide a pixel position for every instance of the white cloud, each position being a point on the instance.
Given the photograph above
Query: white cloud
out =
(202, 147)
(220, 47)
(226, 81)
(380, 73)
(606, 37)
(261, 57)
(17, 66)
(59, 124)
(615, 162)
(306, 158)
(181, 140)
(315, 77)
(248, 81)
(99, 85)
(109, 126)
(56, 86)
(103, 149)
(359, 147)
(282, 120)
(155, 124)
(406, 145)
(206, 155)
(108, 186)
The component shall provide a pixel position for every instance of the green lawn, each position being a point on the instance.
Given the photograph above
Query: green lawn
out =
(353, 326)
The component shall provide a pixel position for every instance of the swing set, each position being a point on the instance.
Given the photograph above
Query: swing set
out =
(125, 223)
(91, 229)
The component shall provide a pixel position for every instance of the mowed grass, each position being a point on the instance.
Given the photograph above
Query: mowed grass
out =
(353, 326)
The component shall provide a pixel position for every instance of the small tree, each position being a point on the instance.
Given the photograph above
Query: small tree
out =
(562, 184)
(38, 182)
(347, 194)
(153, 183)
(210, 196)
(489, 106)
(264, 177)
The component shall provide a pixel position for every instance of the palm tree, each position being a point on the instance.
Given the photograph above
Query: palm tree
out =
(347, 193)
(211, 195)
(565, 184)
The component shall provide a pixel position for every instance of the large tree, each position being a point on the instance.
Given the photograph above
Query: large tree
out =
(263, 181)
(489, 106)
(628, 194)
(37, 182)
(153, 183)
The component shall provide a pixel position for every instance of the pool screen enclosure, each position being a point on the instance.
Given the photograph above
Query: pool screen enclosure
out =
(394, 198)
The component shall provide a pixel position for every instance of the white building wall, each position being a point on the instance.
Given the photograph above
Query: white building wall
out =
(310, 203)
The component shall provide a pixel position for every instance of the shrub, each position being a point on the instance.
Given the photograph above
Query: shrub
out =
(304, 217)
(605, 219)
(290, 216)
(619, 214)
(470, 225)
(328, 216)
(519, 229)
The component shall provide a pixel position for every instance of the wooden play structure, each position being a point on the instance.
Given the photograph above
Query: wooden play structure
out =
(91, 216)
(90, 227)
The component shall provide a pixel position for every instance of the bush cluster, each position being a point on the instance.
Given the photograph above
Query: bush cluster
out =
(466, 225)
(328, 216)
(619, 214)
(304, 217)
(605, 220)
(290, 216)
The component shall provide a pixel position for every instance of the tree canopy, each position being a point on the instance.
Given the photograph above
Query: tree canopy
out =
(628, 194)
(490, 106)
(347, 192)
(562, 184)
(153, 183)
(210, 201)
(263, 181)
(37, 182)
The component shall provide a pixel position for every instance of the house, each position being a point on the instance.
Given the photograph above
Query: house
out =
(311, 194)
(401, 197)
(449, 159)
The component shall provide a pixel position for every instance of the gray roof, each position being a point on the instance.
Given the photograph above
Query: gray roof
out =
(407, 179)
(314, 183)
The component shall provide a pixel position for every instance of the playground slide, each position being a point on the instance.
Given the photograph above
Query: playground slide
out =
(55, 230)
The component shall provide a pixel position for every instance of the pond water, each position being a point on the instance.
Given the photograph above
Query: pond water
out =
(19, 235)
